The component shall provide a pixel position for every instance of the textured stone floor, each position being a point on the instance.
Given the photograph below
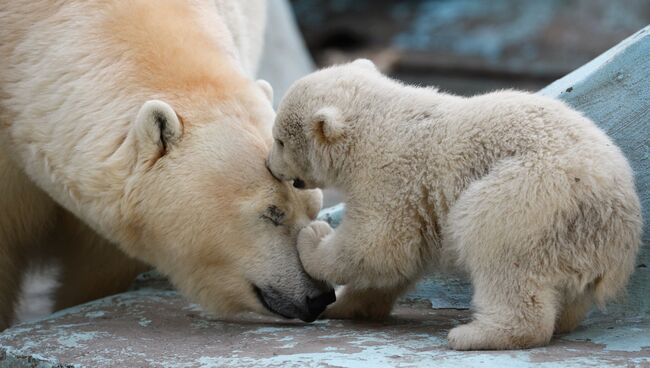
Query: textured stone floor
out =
(153, 326)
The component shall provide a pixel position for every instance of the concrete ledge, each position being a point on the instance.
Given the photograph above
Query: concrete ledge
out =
(153, 326)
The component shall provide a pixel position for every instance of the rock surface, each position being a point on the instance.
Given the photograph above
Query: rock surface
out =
(153, 326)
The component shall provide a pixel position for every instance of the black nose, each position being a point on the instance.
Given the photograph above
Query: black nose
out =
(298, 183)
(318, 304)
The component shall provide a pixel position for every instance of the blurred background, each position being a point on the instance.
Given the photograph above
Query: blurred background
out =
(468, 46)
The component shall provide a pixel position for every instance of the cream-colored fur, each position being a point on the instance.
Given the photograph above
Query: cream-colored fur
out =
(134, 125)
(529, 197)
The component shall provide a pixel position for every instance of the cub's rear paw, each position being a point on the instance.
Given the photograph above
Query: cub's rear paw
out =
(478, 336)
(467, 337)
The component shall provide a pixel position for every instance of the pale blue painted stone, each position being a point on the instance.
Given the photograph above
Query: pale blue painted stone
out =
(153, 326)
(614, 91)
(333, 215)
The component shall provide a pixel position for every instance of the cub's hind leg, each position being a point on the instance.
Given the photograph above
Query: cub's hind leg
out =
(510, 313)
(499, 229)
(573, 310)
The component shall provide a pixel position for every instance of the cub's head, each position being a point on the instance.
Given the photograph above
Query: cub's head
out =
(313, 125)
(205, 210)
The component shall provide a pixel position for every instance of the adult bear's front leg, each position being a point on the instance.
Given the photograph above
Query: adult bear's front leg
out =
(91, 266)
(26, 214)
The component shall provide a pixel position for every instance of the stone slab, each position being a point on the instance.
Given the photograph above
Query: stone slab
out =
(156, 327)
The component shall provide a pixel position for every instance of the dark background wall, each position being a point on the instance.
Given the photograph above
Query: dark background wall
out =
(469, 46)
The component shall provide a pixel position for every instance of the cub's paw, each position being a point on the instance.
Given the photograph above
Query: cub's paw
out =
(309, 251)
(478, 336)
(467, 337)
(311, 235)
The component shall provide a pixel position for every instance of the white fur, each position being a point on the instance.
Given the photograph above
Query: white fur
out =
(266, 88)
(527, 196)
(149, 133)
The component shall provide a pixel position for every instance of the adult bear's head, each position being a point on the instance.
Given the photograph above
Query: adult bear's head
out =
(198, 202)
(204, 209)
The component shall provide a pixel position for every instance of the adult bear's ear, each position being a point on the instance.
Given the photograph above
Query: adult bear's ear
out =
(266, 88)
(327, 124)
(157, 127)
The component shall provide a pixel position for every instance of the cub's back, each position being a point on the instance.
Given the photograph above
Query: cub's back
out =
(536, 123)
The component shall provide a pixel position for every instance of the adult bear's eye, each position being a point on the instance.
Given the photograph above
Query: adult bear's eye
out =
(274, 215)
(279, 142)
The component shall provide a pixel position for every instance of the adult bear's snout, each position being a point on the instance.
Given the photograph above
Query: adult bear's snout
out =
(307, 310)
(317, 305)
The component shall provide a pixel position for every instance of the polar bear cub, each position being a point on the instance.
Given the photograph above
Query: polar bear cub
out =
(529, 197)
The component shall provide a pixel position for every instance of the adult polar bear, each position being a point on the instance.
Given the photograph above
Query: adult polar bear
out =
(178, 184)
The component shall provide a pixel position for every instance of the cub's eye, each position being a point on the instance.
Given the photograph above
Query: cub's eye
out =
(279, 142)
(274, 215)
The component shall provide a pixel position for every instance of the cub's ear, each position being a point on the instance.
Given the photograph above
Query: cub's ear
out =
(266, 88)
(327, 124)
(157, 127)
(365, 63)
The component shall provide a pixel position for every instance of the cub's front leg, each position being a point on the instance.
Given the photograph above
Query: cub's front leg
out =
(374, 263)
(316, 254)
